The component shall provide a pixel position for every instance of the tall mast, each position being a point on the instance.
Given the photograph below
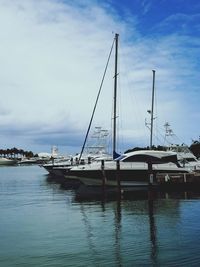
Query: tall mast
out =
(115, 95)
(152, 107)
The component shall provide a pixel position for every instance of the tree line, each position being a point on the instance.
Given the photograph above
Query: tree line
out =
(16, 153)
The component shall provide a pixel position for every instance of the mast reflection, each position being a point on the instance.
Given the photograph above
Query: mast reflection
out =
(152, 227)
(118, 226)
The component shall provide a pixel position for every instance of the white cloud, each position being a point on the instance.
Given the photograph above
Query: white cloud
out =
(52, 59)
(146, 4)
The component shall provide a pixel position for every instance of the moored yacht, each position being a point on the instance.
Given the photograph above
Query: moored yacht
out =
(51, 166)
(59, 168)
(185, 157)
(95, 151)
(5, 161)
(134, 168)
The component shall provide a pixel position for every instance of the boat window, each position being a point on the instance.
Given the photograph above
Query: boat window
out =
(190, 159)
(141, 158)
(152, 159)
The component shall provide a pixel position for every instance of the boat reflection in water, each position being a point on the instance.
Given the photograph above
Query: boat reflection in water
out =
(57, 228)
(148, 231)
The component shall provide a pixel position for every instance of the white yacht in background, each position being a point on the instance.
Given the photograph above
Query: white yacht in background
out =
(6, 162)
(41, 158)
(185, 157)
(94, 150)
(27, 161)
(56, 160)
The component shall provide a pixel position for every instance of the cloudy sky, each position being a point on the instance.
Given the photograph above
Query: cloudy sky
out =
(52, 58)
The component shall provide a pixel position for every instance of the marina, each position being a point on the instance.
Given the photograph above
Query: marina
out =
(43, 224)
(134, 169)
(91, 172)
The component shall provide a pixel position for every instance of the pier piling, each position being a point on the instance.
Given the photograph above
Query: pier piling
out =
(150, 172)
(103, 174)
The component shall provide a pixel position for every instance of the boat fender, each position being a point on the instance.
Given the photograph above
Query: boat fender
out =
(167, 178)
(151, 178)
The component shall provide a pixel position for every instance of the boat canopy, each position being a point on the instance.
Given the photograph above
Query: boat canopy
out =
(154, 158)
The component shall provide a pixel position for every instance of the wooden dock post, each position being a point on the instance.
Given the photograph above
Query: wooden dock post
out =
(150, 172)
(118, 177)
(184, 178)
(103, 174)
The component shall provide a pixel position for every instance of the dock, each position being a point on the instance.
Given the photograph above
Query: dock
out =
(178, 181)
(163, 182)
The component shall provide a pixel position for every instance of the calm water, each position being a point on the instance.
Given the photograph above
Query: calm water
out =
(43, 225)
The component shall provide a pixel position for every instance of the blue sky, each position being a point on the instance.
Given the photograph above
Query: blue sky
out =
(53, 55)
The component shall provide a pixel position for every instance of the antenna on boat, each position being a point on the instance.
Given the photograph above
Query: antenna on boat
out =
(152, 107)
(168, 132)
(115, 97)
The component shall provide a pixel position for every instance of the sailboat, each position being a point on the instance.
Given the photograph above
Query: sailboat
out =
(133, 168)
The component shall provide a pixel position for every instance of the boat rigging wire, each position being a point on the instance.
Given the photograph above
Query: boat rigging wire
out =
(104, 74)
